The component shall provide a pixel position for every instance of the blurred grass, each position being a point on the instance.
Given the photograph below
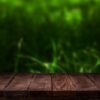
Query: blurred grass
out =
(53, 36)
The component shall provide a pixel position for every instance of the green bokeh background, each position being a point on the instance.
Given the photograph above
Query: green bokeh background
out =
(50, 36)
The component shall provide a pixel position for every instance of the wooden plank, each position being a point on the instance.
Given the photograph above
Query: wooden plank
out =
(46, 86)
(61, 82)
(80, 82)
(95, 78)
(18, 86)
(5, 79)
(62, 86)
(40, 82)
(72, 82)
(73, 85)
(21, 82)
(40, 85)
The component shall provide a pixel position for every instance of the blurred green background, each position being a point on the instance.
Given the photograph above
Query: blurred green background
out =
(50, 36)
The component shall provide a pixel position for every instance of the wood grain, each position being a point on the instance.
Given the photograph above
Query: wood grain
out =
(40, 86)
(62, 86)
(72, 82)
(61, 82)
(73, 85)
(21, 82)
(95, 78)
(5, 79)
(82, 83)
(25, 86)
(40, 83)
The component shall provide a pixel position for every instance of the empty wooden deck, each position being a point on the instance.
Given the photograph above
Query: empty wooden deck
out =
(24, 86)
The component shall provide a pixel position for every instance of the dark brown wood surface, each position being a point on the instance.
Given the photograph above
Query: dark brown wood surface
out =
(5, 80)
(46, 87)
(40, 83)
(95, 79)
(20, 82)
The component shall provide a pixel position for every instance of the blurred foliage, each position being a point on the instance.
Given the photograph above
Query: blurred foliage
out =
(49, 36)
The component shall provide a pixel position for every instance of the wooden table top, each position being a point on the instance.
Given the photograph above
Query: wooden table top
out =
(49, 84)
